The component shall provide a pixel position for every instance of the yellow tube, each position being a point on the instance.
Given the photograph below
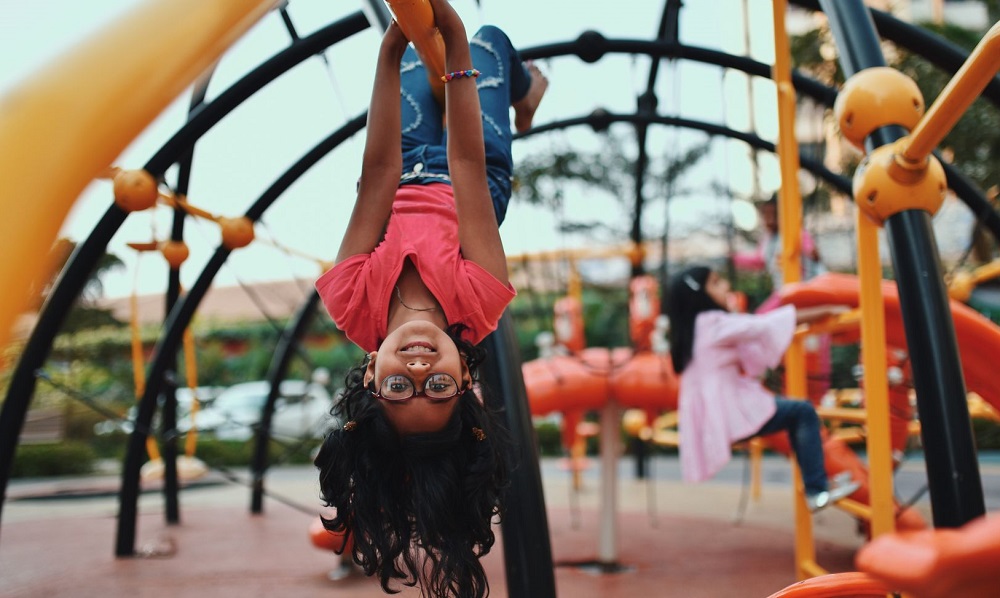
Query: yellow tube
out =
(191, 373)
(876, 377)
(66, 124)
(139, 370)
(790, 227)
(970, 80)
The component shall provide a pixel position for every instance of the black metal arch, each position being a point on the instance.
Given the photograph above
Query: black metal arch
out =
(935, 49)
(592, 46)
(178, 320)
(589, 47)
(73, 276)
(816, 167)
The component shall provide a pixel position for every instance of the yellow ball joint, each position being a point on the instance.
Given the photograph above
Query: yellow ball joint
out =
(884, 184)
(175, 252)
(874, 98)
(236, 232)
(135, 190)
(634, 421)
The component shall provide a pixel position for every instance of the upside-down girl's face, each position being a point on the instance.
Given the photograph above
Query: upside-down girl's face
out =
(418, 351)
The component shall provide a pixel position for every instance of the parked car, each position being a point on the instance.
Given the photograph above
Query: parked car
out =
(302, 410)
(206, 394)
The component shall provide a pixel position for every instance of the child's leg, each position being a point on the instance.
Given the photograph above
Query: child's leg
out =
(503, 80)
(420, 112)
(800, 420)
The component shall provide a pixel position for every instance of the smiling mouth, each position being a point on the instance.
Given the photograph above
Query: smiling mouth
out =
(417, 347)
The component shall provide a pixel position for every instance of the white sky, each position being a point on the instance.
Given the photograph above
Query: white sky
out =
(248, 150)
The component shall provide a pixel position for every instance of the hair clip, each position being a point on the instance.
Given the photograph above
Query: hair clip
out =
(691, 283)
(479, 434)
(350, 426)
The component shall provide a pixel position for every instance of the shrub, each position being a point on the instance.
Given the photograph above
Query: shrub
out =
(549, 439)
(48, 460)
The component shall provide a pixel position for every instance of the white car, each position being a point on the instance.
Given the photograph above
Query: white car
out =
(302, 410)
(206, 394)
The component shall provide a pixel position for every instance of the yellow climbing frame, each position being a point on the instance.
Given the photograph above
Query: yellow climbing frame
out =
(63, 126)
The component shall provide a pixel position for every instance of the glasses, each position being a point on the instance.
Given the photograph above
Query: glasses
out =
(437, 387)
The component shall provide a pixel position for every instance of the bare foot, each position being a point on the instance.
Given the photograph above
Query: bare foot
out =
(524, 109)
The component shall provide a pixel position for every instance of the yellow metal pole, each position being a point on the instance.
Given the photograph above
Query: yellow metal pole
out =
(876, 378)
(970, 80)
(790, 226)
(191, 376)
(65, 125)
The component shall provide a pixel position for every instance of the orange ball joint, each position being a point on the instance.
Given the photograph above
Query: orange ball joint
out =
(135, 190)
(885, 185)
(236, 232)
(875, 98)
(175, 252)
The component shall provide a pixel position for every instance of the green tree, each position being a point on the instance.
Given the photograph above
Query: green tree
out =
(549, 178)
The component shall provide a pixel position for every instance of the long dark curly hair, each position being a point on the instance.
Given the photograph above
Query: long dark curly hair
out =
(419, 508)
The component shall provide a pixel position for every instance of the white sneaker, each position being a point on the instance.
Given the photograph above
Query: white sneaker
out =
(842, 487)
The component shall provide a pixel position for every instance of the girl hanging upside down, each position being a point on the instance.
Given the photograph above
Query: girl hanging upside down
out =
(416, 471)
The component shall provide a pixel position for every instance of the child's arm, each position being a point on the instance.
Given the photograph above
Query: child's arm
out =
(382, 161)
(478, 232)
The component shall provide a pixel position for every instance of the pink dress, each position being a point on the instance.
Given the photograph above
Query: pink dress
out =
(423, 228)
(721, 397)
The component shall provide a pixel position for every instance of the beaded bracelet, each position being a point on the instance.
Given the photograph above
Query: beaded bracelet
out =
(459, 74)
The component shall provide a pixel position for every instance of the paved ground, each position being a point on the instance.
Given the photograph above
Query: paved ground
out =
(674, 539)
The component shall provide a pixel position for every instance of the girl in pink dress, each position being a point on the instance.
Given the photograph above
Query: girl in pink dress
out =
(722, 356)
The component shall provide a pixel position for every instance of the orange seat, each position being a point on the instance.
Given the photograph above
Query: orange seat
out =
(836, 585)
(938, 563)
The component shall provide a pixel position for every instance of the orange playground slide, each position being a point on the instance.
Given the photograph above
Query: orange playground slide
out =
(978, 337)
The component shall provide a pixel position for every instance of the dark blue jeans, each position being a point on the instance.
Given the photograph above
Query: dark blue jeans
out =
(503, 80)
(800, 420)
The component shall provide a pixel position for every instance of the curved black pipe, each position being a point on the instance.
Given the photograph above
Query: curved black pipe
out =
(203, 119)
(592, 46)
(168, 420)
(50, 319)
(840, 182)
(275, 374)
(83, 260)
(178, 320)
(949, 450)
(527, 548)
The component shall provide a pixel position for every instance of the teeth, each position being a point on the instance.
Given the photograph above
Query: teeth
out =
(418, 349)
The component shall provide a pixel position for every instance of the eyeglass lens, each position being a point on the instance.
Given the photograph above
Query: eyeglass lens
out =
(437, 386)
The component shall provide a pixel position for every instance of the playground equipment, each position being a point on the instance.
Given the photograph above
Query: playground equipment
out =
(899, 185)
(116, 95)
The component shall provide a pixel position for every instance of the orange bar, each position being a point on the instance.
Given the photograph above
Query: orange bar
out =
(845, 321)
(970, 80)
(789, 226)
(65, 125)
(876, 377)
(416, 20)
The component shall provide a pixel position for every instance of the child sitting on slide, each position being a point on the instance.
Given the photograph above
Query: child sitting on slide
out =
(416, 471)
(721, 400)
